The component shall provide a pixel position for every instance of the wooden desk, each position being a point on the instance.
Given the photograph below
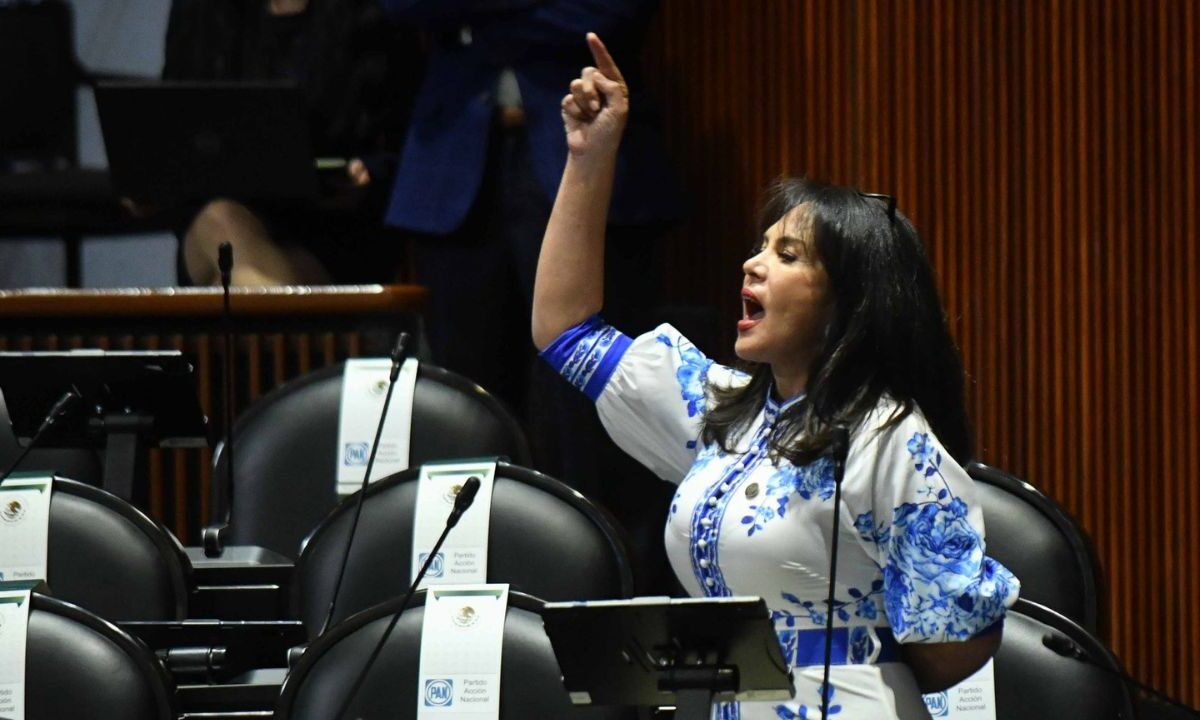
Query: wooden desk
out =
(280, 333)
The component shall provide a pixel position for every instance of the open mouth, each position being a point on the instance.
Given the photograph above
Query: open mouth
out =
(751, 309)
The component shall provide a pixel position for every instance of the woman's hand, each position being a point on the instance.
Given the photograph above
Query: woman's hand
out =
(595, 110)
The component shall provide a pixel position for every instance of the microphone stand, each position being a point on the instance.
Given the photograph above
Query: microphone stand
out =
(839, 447)
(214, 541)
(60, 408)
(398, 352)
(1067, 647)
(462, 501)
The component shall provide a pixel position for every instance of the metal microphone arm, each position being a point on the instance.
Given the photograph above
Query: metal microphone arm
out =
(60, 408)
(461, 502)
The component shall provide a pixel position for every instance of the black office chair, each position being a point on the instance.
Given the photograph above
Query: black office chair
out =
(1034, 682)
(80, 667)
(544, 539)
(530, 679)
(1031, 535)
(104, 555)
(286, 449)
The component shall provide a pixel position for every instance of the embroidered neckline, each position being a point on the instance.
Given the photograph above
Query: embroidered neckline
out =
(773, 407)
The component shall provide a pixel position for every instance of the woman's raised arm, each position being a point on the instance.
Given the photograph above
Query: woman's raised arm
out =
(570, 275)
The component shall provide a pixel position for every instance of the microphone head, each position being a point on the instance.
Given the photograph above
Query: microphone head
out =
(225, 258)
(63, 404)
(466, 495)
(839, 442)
(398, 352)
(400, 349)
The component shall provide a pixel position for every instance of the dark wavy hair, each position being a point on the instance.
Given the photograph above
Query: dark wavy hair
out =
(887, 334)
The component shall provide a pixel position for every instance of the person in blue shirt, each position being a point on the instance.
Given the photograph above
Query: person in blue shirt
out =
(479, 167)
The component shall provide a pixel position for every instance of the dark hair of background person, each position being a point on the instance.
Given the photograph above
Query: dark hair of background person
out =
(888, 333)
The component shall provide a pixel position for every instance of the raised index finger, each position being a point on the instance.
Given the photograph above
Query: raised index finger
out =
(604, 62)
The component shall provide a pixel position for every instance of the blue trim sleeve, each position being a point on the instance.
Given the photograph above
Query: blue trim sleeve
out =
(587, 354)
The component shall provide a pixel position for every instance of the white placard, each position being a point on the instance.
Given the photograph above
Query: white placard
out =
(364, 387)
(24, 524)
(14, 624)
(463, 557)
(461, 642)
(971, 699)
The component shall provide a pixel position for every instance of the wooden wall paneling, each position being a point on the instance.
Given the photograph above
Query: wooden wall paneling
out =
(1190, 197)
(1046, 150)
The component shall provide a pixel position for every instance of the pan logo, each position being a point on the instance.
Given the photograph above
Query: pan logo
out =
(356, 453)
(439, 693)
(938, 704)
(436, 568)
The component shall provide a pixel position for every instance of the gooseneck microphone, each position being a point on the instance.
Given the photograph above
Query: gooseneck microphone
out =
(1067, 647)
(839, 448)
(399, 351)
(57, 411)
(462, 501)
(223, 509)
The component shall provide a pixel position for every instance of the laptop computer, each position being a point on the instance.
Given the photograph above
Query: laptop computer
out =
(169, 141)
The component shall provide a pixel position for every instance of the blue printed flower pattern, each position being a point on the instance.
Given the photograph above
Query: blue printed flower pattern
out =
(861, 605)
(692, 374)
(804, 712)
(937, 582)
(809, 481)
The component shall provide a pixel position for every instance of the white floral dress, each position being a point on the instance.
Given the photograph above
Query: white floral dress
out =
(911, 564)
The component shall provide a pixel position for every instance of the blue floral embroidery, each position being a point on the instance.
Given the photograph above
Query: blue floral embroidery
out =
(588, 354)
(814, 479)
(865, 524)
(926, 455)
(763, 514)
(803, 712)
(861, 645)
(703, 458)
(691, 375)
(938, 583)
(861, 604)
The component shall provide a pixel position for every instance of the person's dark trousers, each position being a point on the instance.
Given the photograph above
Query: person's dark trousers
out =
(481, 279)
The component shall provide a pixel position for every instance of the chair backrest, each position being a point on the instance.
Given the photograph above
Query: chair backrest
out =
(104, 555)
(544, 539)
(1032, 536)
(285, 454)
(530, 679)
(1035, 682)
(80, 667)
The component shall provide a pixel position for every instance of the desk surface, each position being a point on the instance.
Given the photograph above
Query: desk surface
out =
(207, 301)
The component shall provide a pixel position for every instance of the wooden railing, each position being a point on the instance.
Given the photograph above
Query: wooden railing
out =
(279, 333)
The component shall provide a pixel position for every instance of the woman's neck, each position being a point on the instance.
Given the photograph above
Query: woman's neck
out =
(789, 383)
